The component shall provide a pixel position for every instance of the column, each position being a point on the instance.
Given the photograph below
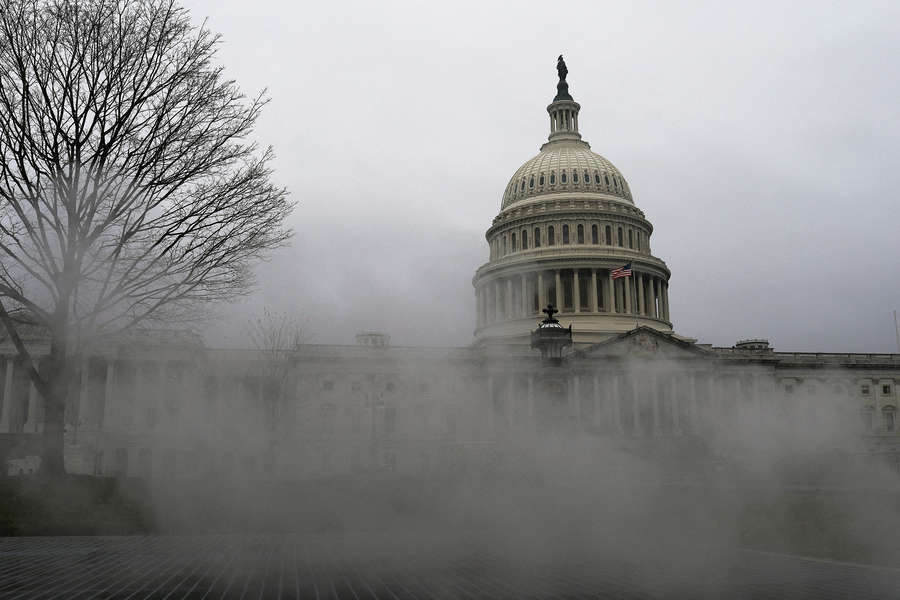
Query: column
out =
(85, 410)
(542, 293)
(595, 399)
(635, 407)
(6, 409)
(594, 306)
(559, 295)
(109, 407)
(576, 400)
(665, 299)
(576, 291)
(695, 408)
(490, 411)
(531, 399)
(654, 393)
(640, 294)
(616, 400)
(510, 402)
(676, 406)
(610, 302)
(525, 299)
(654, 287)
(498, 307)
(509, 298)
(626, 290)
(32, 422)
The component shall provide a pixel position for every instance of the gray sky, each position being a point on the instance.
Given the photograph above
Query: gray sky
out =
(761, 140)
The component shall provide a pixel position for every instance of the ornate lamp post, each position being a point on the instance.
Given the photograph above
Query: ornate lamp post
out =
(550, 337)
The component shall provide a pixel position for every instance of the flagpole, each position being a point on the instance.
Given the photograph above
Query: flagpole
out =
(897, 331)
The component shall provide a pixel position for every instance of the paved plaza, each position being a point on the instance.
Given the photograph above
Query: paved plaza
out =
(287, 566)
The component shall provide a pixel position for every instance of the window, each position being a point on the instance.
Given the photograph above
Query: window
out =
(504, 244)
(327, 385)
(889, 415)
(551, 236)
(631, 239)
(565, 234)
(562, 177)
(606, 177)
(638, 240)
(620, 237)
(868, 414)
(552, 177)
(574, 176)
(537, 237)
(531, 182)
(864, 389)
(580, 233)
(596, 177)
(524, 239)
(789, 388)
(587, 178)
(594, 238)
(608, 235)
(541, 180)
(886, 390)
(512, 241)
(523, 185)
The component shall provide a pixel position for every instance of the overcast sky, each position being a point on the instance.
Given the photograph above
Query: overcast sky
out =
(761, 140)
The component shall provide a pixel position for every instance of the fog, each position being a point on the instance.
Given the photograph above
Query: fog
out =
(759, 139)
(520, 491)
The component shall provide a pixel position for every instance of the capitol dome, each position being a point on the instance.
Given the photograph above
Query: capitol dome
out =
(566, 166)
(569, 234)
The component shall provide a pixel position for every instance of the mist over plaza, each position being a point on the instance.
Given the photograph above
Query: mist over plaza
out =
(463, 300)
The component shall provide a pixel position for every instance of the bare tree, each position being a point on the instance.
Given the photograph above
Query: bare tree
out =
(277, 336)
(129, 191)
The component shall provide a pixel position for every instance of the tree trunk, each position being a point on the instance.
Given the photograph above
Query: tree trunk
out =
(54, 374)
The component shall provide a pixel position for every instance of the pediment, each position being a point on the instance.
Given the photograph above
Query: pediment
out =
(644, 342)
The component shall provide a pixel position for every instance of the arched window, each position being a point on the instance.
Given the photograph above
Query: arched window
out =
(551, 236)
(620, 237)
(594, 239)
(608, 235)
(606, 177)
(638, 240)
(889, 413)
(565, 234)
(562, 177)
(580, 233)
(631, 239)
(524, 239)
(523, 185)
(541, 180)
(596, 177)
(552, 177)
(616, 182)
(531, 182)
(574, 176)
(512, 241)
(537, 237)
(587, 178)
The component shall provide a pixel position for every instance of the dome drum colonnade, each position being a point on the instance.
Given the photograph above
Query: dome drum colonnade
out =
(567, 220)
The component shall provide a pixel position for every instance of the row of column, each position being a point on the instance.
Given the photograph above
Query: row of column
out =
(640, 404)
(97, 400)
(527, 294)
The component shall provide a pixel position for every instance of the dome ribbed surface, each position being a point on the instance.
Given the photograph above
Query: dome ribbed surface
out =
(574, 160)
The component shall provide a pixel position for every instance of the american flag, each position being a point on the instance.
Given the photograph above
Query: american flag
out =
(622, 271)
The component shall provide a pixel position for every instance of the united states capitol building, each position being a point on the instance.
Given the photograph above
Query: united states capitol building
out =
(161, 403)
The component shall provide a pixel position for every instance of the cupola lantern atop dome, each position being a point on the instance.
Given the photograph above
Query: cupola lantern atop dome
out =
(564, 110)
